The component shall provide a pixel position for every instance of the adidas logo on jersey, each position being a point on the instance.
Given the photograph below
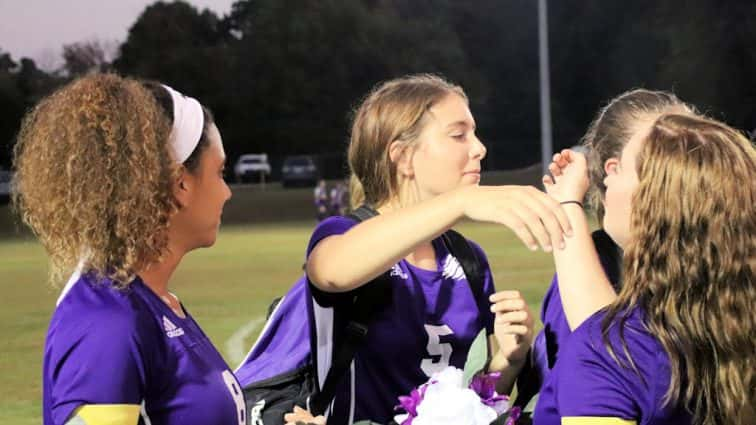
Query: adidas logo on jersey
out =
(170, 329)
(452, 268)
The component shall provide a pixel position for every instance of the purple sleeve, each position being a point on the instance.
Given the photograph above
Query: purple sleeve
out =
(334, 225)
(98, 362)
(488, 287)
(590, 383)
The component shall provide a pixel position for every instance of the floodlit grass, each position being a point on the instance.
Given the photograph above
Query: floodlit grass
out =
(224, 287)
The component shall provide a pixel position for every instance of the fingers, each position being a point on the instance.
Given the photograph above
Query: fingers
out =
(510, 307)
(512, 311)
(521, 230)
(508, 301)
(521, 330)
(560, 224)
(572, 156)
(537, 219)
(519, 316)
(551, 215)
(567, 156)
(300, 416)
(535, 225)
(513, 323)
(555, 169)
(505, 295)
(561, 159)
(547, 181)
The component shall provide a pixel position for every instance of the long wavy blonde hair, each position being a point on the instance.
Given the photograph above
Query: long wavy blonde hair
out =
(689, 264)
(394, 110)
(94, 177)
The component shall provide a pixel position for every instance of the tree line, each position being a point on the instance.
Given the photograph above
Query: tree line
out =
(282, 76)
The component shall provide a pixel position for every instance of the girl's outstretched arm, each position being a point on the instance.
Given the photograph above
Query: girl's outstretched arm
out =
(344, 262)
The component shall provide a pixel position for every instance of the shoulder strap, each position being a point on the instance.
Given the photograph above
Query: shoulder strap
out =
(367, 300)
(461, 249)
(362, 213)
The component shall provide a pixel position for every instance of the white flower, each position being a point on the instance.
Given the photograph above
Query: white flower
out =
(447, 402)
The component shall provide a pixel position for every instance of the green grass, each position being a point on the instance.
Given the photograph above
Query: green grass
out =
(224, 287)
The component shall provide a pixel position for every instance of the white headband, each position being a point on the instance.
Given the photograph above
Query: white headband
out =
(188, 123)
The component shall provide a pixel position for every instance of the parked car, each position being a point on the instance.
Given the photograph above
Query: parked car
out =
(252, 168)
(299, 171)
(5, 186)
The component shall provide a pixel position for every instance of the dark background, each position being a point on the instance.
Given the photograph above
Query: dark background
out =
(282, 76)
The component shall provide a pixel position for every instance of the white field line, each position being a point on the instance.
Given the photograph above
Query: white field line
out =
(235, 348)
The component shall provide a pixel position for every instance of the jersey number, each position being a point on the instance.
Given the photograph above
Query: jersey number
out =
(236, 394)
(436, 348)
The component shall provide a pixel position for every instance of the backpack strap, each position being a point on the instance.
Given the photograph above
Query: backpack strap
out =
(366, 302)
(362, 213)
(461, 249)
(465, 254)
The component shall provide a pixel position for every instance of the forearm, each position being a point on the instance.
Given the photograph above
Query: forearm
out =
(344, 262)
(583, 285)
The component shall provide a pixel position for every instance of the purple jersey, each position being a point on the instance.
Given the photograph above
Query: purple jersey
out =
(429, 324)
(555, 328)
(108, 347)
(588, 382)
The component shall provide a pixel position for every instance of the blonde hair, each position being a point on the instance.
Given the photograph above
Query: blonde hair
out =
(613, 127)
(394, 110)
(94, 177)
(689, 264)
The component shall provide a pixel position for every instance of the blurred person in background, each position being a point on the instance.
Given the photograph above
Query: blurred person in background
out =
(338, 201)
(320, 198)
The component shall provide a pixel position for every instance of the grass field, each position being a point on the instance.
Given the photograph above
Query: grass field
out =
(225, 288)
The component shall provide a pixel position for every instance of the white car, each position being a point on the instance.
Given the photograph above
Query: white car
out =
(251, 167)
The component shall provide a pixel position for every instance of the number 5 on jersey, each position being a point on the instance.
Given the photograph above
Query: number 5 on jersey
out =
(436, 348)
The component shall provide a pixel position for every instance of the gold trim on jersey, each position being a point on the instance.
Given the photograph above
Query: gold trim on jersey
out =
(108, 414)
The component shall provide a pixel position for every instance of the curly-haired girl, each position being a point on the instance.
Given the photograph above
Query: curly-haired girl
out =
(119, 180)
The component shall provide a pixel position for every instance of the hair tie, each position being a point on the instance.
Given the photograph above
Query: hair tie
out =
(188, 123)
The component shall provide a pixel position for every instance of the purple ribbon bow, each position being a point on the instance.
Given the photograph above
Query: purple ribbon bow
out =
(409, 403)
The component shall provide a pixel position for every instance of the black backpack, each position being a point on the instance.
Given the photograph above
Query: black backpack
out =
(269, 400)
